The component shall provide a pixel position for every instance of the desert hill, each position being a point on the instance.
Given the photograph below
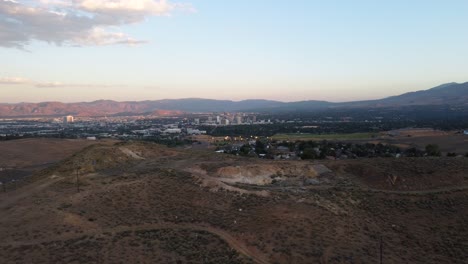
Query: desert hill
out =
(96, 108)
(142, 202)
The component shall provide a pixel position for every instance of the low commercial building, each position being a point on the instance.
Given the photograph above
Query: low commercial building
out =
(173, 131)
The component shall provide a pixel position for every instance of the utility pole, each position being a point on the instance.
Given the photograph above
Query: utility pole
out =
(381, 249)
(77, 182)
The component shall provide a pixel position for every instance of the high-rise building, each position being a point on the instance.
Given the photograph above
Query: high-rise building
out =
(197, 121)
(218, 120)
(68, 119)
(239, 119)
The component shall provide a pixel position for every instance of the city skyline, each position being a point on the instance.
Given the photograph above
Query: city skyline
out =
(74, 51)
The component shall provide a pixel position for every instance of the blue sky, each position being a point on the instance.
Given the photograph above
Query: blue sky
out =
(282, 50)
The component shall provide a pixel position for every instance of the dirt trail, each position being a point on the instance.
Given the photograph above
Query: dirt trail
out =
(420, 192)
(228, 238)
(359, 187)
(11, 197)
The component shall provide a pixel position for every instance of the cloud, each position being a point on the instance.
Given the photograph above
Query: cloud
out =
(140, 6)
(13, 80)
(73, 85)
(100, 37)
(76, 22)
(49, 84)
(8, 81)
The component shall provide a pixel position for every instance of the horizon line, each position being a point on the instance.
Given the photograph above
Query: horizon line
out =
(235, 101)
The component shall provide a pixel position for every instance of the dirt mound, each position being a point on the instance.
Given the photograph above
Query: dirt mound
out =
(101, 157)
(146, 150)
(93, 159)
(130, 153)
(234, 171)
(410, 173)
(249, 174)
(262, 173)
(278, 168)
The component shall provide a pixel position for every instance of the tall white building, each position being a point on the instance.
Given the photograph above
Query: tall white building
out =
(239, 119)
(68, 119)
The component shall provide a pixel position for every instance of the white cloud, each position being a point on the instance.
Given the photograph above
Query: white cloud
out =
(13, 80)
(6, 81)
(100, 37)
(48, 84)
(9, 81)
(73, 85)
(142, 6)
(76, 22)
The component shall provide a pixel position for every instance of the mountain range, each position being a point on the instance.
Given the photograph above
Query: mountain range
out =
(454, 94)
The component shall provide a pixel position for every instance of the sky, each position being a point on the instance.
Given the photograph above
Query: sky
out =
(85, 50)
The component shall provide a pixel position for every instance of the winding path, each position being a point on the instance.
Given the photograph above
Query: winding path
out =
(11, 197)
(234, 243)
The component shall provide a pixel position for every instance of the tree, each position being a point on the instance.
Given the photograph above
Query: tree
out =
(309, 153)
(413, 152)
(244, 150)
(260, 147)
(433, 150)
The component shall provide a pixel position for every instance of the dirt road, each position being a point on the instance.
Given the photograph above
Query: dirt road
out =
(234, 243)
(9, 198)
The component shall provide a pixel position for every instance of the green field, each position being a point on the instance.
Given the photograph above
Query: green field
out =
(306, 136)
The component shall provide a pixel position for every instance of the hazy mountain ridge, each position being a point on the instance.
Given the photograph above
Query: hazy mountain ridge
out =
(450, 93)
(453, 94)
(446, 94)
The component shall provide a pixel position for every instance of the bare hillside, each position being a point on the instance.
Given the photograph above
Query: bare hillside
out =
(151, 204)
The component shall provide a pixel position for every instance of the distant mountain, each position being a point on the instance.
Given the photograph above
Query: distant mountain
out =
(156, 108)
(300, 106)
(96, 108)
(210, 105)
(454, 94)
(450, 93)
(447, 94)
